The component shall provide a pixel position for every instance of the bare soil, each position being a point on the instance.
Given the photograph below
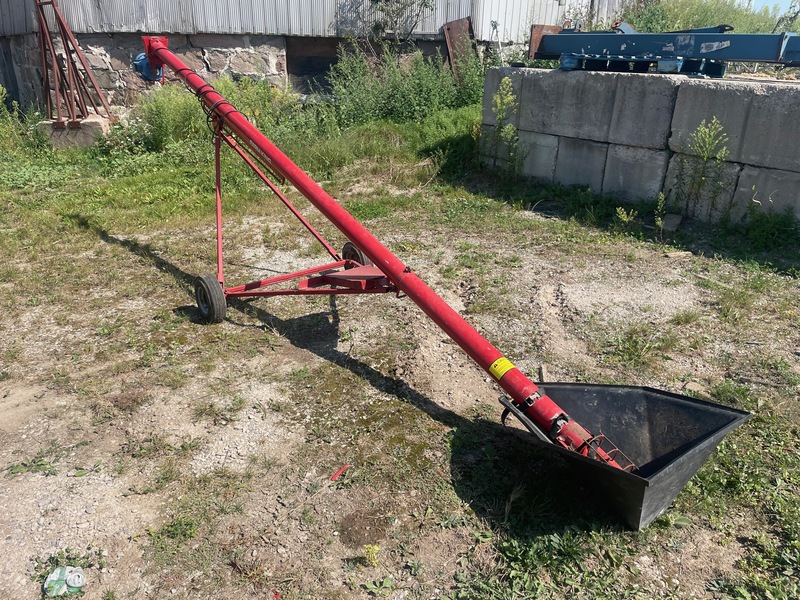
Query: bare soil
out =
(121, 381)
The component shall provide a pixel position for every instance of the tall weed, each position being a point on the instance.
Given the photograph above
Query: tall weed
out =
(401, 89)
(169, 115)
(18, 131)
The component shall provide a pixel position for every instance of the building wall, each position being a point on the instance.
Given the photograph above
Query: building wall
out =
(16, 17)
(109, 33)
(316, 18)
(629, 135)
(20, 70)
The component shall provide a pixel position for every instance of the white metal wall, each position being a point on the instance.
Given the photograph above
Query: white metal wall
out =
(320, 18)
(513, 18)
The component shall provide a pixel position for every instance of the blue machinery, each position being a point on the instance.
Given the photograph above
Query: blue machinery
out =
(696, 51)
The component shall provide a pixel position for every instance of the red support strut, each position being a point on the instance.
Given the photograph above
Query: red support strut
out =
(538, 407)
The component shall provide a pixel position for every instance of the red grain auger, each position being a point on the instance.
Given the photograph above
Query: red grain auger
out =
(666, 437)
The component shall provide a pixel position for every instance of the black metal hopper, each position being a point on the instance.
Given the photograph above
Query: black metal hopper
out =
(668, 437)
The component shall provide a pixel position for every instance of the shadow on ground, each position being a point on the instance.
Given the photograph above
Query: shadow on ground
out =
(496, 470)
(768, 239)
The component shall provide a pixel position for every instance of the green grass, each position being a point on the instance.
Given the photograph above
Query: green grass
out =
(128, 222)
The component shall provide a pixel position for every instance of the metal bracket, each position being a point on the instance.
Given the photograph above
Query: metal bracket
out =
(511, 408)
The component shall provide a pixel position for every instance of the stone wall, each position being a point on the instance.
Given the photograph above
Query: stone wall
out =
(110, 57)
(20, 73)
(630, 135)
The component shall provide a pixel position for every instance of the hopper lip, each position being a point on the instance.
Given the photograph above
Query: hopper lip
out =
(738, 418)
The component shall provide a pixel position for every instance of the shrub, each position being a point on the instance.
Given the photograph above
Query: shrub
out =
(699, 179)
(170, 114)
(18, 130)
(399, 89)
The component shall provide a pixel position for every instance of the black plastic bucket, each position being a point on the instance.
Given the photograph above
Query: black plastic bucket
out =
(667, 436)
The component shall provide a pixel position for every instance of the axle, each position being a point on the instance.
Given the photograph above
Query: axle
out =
(548, 417)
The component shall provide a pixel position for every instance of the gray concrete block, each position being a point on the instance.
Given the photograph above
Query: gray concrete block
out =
(581, 162)
(768, 190)
(577, 104)
(643, 107)
(540, 152)
(92, 128)
(703, 99)
(772, 133)
(632, 173)
(490, 87)
(492, 151)
(701, 190)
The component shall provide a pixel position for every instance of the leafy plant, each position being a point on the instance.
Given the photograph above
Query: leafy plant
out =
(371, 552)
(43, 462)
(766, 230)
(504, 138)
(380, 587)
(38, 464)
(625, 220)
(639, 345)
(699, 178)
(366, 89)
(655, 16)
(659, 214)
(415, 567)
(174, 534)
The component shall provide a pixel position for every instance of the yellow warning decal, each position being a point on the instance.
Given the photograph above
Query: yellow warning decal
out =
(500, 367)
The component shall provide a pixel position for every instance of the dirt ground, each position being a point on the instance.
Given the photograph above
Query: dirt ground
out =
(137, 434)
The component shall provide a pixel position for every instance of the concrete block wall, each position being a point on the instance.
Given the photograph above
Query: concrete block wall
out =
(628, 135)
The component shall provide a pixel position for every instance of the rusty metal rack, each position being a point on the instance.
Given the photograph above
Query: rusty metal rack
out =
(69, 85)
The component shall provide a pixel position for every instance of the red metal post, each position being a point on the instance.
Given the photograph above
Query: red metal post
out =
(218, 179)
(541, 409)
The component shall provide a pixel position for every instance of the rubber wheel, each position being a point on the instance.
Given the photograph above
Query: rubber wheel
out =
(210, 299)
(352, 252)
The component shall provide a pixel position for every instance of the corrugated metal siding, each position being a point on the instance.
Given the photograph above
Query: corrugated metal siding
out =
(514, 18)
(319, 18)
(606, 11)
(16, 17)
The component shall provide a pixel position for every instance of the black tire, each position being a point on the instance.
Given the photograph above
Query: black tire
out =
(210, 299)
(354, 253)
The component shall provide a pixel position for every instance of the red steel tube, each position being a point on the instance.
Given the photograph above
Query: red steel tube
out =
(538, 407)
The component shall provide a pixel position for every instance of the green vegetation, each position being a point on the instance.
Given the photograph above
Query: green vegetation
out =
(399, 91)
(504, 140)
(675, 15)
(699, 180)
(126, 226)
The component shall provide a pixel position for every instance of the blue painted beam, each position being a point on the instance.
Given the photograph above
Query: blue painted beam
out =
(783, 48)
